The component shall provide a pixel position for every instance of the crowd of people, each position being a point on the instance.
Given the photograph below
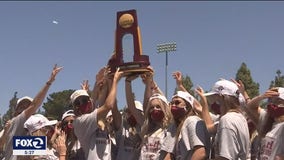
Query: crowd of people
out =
(222, 124)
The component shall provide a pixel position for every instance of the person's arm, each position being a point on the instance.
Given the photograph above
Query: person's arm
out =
(37, 101)
(131, 101)
(253, 105)
(252, 112)
(205, 111)
(111, 98)
(3, 138)
(147, 79)
(57, 132)
(60, 144)
(178, 77)
(100, 89)
(117, 117)
(165, 155)
(279, 157)
(199, 153)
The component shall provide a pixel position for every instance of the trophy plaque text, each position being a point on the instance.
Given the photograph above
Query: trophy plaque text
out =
(128, 48)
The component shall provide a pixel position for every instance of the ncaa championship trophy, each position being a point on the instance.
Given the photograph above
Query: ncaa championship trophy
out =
(128, 49)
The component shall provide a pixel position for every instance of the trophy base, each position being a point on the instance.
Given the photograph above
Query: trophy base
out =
(135, 71)
(131, 68)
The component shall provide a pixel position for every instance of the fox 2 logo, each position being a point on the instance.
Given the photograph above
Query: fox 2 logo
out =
(29, 143)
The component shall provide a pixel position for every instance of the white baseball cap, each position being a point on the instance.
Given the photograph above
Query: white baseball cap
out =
(138, 105)
(186, 96)
(158, 96)
(23, 98)
(78, 93)
(224, 87)
(281, 92)
(38, 121)
(67, 114)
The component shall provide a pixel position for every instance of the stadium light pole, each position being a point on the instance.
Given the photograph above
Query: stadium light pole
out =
(166, 48)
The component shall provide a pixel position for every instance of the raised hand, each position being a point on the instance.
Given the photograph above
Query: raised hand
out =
(117, 75)
(85, 85)
(55, 71)
(178, 77)
(102, 75)
(240, 85)
(60, 144)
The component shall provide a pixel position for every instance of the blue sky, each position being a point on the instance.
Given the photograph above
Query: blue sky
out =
(213, 39)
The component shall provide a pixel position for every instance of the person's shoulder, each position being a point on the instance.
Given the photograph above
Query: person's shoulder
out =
(192, 120)
(231, 115)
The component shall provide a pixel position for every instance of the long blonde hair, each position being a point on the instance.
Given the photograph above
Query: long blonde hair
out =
(148, 125)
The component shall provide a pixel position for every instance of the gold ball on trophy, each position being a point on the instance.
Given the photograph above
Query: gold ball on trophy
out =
(126, 20)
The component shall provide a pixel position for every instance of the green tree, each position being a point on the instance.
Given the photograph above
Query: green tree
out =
(278, 80)
(2, 125)
(57, 103)
(9, 113)
(244, 75)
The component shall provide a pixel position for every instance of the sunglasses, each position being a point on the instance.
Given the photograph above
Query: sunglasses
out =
(81, 101)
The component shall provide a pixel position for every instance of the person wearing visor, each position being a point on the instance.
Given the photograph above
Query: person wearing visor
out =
(154, 130)
(74, 149)
(188, 138)
(39, 125)
(270, 123)
(26, 107)
(232, 139)
(94, 139)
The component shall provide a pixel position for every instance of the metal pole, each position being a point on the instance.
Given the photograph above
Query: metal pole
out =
(165, 48)
(166, 78)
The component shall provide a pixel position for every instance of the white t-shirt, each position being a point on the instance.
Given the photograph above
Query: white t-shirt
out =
(151, 148)
(232, 138)
(95, 142)
(193, 133)
(273, 143)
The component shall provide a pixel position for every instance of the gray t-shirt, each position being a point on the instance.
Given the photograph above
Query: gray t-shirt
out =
(193, 133)
(128, 143)
(95, 142)
(272, 144)
(16, 129)
(232, 138)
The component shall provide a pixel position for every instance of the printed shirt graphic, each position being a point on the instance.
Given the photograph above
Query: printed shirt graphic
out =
(272, 144)
(151, 148)
(267, 146)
